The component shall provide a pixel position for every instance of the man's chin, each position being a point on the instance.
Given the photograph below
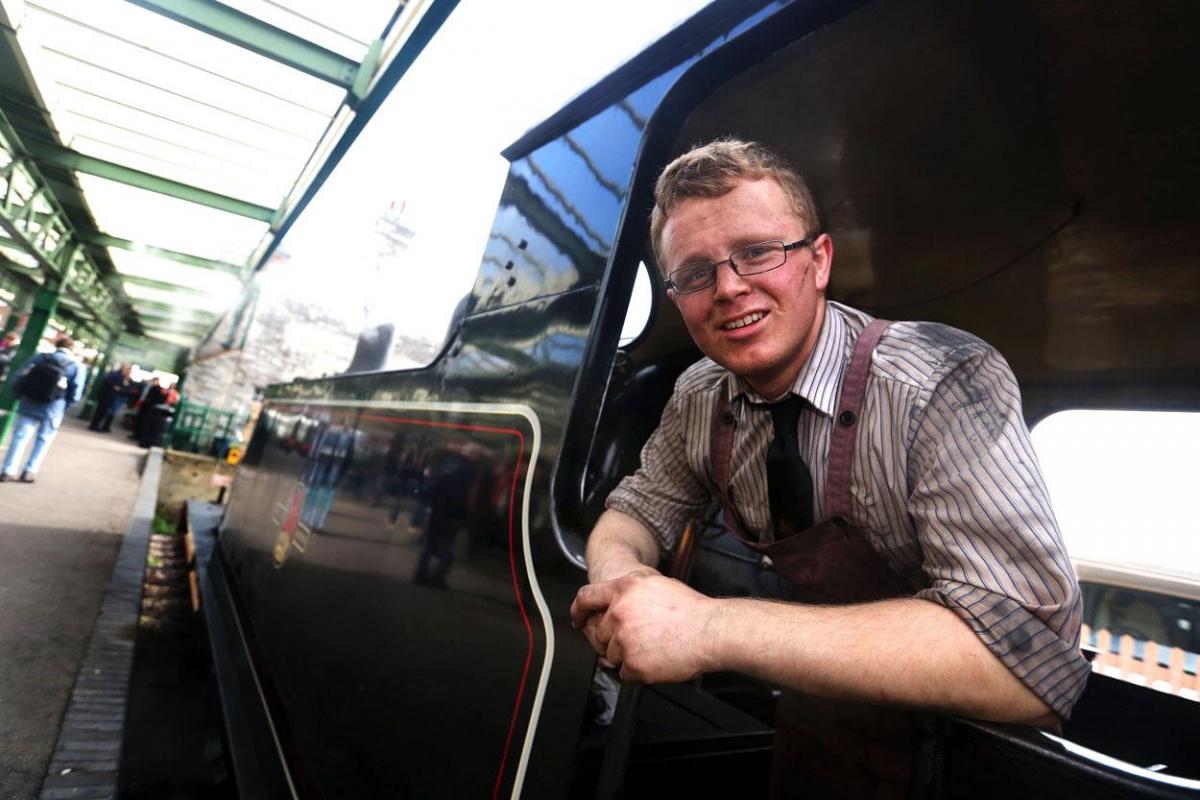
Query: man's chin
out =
(744, 365)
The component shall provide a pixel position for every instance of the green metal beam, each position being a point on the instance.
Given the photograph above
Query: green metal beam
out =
(175, 312)
(404, 43)
(157, 336)
(138, 349)
(253, 34)
(181, 318)
(104, 240)
(35, 222)
(161, 327)
(139, 303)
(79, 322)
(186, 334)
(65, 158)
(178, 331)
(164, 285)
(12, 266)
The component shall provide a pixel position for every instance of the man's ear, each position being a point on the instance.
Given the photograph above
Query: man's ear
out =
(822, 250)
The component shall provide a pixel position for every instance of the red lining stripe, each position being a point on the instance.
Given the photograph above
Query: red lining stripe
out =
(512, 564)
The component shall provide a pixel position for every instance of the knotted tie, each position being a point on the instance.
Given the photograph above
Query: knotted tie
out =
(789, 483)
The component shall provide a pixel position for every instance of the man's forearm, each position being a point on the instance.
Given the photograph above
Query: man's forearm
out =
(907, 652)
(620, 545)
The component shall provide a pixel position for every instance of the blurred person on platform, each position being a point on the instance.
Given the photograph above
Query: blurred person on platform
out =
(47, 385)
(133, 396)
(155, 414)
(112, 397)
(8, 349)
(152, 395)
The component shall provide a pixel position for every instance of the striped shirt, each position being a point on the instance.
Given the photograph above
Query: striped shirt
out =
(945, 483)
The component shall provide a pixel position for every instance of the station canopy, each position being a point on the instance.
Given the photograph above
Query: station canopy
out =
(151, 150)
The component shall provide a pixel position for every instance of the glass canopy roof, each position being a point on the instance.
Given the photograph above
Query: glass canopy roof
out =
(134, 95)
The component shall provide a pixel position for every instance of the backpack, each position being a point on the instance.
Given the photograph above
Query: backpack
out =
(45, 381)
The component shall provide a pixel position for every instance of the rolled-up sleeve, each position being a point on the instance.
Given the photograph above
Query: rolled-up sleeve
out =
(664, 492)
(991, 547)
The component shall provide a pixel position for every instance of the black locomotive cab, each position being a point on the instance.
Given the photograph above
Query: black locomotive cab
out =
(401, 548)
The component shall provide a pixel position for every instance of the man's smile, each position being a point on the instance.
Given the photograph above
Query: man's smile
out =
(743, 321)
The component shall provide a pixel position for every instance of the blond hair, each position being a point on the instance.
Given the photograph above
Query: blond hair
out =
(711, 170)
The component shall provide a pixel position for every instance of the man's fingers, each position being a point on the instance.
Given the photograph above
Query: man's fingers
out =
(591, 598)
(615, 654)
(594, 634)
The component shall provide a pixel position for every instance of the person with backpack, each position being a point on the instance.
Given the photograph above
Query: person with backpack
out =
(48, 384)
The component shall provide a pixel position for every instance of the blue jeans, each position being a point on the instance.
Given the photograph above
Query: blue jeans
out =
(23, 428)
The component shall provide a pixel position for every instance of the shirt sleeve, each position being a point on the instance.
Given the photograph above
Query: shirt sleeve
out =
(991, 546)
(665, 491)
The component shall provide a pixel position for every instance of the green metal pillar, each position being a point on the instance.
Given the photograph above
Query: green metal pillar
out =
(45, 303)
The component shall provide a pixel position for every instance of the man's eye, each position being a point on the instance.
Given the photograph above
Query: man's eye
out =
(697, 273)
(757, 252)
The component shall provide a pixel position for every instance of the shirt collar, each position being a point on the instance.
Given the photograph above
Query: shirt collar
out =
(820, 379)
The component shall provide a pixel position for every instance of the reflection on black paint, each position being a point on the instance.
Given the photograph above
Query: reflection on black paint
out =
(389, 529)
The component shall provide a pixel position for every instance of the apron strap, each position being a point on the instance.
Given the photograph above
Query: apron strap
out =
(845, 422)
(841, 444)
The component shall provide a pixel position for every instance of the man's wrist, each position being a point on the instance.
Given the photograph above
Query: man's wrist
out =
(714, 632)
(609, 571)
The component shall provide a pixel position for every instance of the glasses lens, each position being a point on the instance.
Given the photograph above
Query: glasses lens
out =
(759, 257)
(693, 277)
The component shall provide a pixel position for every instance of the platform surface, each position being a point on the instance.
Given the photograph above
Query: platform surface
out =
(59, 539)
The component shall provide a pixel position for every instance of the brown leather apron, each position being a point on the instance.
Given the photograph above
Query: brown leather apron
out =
(830, 748)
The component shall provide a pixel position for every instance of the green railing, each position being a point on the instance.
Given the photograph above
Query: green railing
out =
(203, 429)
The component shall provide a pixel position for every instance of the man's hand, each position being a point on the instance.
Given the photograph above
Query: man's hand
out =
(652, 628)
(619, 547)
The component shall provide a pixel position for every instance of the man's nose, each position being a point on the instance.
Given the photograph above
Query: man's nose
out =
(729, 283)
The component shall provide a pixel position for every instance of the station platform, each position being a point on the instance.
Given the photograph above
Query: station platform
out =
(59, 542)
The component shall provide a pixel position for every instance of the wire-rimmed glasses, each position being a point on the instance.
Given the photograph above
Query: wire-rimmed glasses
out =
(750, 260)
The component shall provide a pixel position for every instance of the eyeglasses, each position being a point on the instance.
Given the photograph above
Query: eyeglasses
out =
(751, 260)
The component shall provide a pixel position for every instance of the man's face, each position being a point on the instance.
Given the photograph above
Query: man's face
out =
(786, 305)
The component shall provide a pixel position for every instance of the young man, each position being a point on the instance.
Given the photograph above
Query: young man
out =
(920, 540)
(49, 383)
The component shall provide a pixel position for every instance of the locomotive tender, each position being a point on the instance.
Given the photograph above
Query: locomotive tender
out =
(391, 582)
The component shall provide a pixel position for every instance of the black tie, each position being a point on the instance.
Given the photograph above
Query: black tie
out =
(789, 483)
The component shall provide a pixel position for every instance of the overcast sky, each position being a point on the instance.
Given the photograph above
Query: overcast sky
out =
(493, 71)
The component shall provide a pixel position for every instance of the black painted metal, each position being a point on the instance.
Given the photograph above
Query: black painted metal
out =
(379, 667)
(257, 768)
